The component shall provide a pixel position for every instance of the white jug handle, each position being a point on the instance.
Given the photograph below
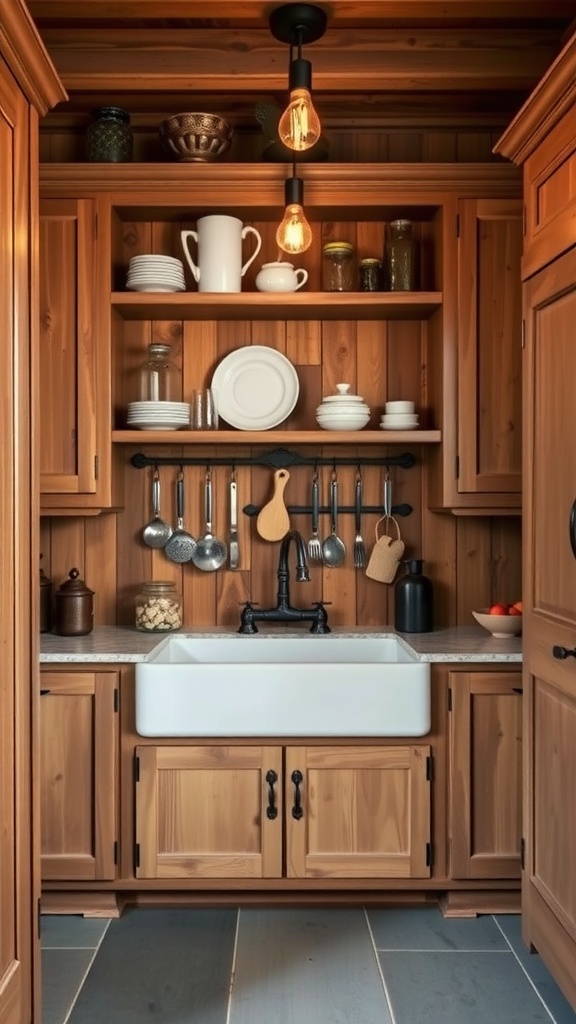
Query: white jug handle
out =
(184, 235)
(251, 231)
(303, 277)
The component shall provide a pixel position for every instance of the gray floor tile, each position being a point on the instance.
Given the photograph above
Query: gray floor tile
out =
(535, 967)
(424, 928)
(62, 931)
(172, 966)
(63, 971)
(306, 964)
(460, 988)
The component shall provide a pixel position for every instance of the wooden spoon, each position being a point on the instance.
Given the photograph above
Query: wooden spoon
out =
(273, 520)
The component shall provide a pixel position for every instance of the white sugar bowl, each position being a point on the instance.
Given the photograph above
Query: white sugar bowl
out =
(280, 277)
(342, 411)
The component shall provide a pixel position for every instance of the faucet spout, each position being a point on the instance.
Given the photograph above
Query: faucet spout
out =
(284, 611)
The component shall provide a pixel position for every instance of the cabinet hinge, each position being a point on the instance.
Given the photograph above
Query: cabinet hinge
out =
(116, 699)
(449, 696)
(429, 768)
(136, 768)
(96, 467)
(457, 466)
(39, 918)
(523, 218)
(457, 225)
(95, 226)
(136, 855)
(429, 855)
(522, 852)
(523, 334)
(115, 851)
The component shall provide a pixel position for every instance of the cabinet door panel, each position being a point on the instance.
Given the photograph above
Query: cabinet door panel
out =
(78, 775)
(489, 346)
(485, 774)
(366, 812)
(201, 812)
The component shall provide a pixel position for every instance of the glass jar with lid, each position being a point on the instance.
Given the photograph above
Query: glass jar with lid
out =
(370, 274)
(158, 607)
(159, 377)
(338, 269)
(400, 253)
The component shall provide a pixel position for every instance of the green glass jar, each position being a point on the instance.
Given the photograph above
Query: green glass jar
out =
(109, 136)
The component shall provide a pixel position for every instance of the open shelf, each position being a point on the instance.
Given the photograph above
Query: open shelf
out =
(275, 306)
(318, 437)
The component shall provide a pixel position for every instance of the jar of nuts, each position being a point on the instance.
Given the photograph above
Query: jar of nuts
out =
(158, 607)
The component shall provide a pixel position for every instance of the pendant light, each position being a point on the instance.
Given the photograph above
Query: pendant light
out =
(299, 126)
(294, 233)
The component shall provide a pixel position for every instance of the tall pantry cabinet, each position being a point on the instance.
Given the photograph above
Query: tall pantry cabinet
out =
(28, 88)
(543, 139)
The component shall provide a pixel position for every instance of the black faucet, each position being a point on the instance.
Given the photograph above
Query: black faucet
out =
(284, 612)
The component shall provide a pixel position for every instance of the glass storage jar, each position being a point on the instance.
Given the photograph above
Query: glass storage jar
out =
(109, 136)
(370, 274)
(158, 607)
(400, 263)
(159, 378)
(338, 271)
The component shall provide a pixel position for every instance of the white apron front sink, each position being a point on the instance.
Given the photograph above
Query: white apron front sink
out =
(282, 686)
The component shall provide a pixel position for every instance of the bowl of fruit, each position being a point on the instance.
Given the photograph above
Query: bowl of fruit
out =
(501, 619)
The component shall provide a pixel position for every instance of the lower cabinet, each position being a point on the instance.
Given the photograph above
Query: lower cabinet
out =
(272, 811)
(485, 792)
(78, 778)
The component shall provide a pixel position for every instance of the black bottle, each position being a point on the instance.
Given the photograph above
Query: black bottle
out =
(413, 600)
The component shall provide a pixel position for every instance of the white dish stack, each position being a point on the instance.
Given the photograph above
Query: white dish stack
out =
(343, 411)
(158, 415)
(399, 416)
(151, 273)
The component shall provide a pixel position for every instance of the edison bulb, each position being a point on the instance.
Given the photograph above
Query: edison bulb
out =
(294, 234)
(299, 127)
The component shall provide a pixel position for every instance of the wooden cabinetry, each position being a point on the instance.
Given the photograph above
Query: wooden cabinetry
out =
(78, 780)
(343, 812)
(485, 773)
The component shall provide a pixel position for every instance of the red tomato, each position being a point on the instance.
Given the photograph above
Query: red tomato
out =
(515, 610)
(499, 609)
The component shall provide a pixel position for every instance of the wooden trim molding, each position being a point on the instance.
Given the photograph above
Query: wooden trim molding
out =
(553, 96)
(27, 58)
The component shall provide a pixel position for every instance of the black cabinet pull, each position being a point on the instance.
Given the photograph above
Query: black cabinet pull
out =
(271, 810)
(562, 653)
(44, 692)
(297, 778)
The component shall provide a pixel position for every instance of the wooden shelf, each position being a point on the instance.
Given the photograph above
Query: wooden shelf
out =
(240, 437)
(274, 306)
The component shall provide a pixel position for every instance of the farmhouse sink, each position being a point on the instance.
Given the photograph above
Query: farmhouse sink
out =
(282, 686)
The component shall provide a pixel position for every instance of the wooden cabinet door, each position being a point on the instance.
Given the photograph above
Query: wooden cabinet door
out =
(79, 784)
(549, 575)
(358, 812)
(208, 812)
(485, 774)
(489, 349)
(69, 370)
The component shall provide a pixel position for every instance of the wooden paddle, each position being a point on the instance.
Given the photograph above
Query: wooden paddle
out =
(273, 521)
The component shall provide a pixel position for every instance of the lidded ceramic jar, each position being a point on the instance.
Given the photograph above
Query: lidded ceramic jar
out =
(74, 607)
(280, 276)
(343, 411)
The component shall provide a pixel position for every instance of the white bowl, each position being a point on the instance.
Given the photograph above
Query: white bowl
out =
(400, 407)
(501, 626)
(342, 422)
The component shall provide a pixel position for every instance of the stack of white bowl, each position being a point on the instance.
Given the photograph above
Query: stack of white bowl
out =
(158, 415)
(399, 416)
(152, 273)
(342, 411)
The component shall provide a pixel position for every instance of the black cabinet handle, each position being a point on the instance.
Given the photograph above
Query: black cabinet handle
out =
(517, 689)
(572, 528)
(271, 810)
(297, 779)
(562, 653)
(44, 692)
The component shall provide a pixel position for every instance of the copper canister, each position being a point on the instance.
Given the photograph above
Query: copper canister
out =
(74, 607)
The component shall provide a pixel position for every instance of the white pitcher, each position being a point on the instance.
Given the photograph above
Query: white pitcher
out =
(219, 239)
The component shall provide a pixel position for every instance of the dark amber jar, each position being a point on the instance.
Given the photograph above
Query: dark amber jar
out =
(74, 607)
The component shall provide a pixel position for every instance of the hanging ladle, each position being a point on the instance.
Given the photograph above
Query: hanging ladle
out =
(333, 548)
(210, 552)
(156, 533)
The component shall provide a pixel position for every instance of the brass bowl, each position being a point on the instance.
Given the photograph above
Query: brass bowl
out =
(196, 137)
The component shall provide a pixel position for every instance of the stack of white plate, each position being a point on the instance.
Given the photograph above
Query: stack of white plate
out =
(150, 273)
(399, 416)
(158, 415)
(342, 411)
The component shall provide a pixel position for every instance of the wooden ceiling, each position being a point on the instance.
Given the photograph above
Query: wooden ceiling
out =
(442, 61)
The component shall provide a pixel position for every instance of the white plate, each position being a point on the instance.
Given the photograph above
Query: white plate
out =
(156, 288)
(407, 426)
(256, 388)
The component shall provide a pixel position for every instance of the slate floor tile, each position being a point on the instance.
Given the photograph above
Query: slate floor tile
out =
(63, 971)
(424, 928)
(535, 967)
(63, 931)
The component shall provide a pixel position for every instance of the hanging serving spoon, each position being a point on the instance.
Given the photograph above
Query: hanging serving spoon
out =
(180, 546)
(156, 533)
(210, 552)
(333, 548)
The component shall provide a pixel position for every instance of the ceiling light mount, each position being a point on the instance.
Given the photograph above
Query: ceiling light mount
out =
(298, 24)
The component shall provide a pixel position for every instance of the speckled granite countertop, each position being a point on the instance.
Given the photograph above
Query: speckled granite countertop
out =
(458, 644)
